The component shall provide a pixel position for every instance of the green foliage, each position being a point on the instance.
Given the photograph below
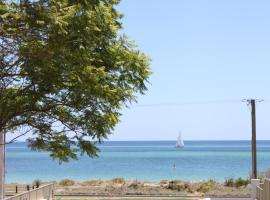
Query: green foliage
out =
(241, 182)
(230, 182)
(207, 186)
(66, 182)
(66, 73)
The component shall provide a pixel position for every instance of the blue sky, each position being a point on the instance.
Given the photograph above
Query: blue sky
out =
(201, 51)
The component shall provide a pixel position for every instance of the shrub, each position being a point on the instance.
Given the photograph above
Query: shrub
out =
(206, 186)
(118, 181)
(236, 182)
(37, 183)
(229, 182)
(241, 182)
(66, 182)
(176, 185)
(135, 184)
(188, 187)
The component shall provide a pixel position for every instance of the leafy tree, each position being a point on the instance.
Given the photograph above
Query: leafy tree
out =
(66, 72)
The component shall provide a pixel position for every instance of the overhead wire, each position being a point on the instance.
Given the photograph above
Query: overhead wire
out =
(228, 101)
(188, 103)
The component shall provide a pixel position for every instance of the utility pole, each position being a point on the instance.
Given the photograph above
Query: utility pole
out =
(2, 166)
(252, 102)
(254, 146)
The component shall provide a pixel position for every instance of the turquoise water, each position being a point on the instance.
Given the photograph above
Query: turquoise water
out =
(143, 160)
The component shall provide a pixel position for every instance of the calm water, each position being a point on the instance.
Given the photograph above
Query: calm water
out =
(144, 160)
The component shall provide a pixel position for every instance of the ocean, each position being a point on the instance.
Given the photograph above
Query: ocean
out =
(141, 160)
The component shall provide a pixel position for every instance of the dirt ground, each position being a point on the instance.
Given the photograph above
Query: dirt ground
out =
(121, 187)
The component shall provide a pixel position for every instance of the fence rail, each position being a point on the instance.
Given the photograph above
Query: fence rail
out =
(14, 189)
(263, 190)
(41, 193)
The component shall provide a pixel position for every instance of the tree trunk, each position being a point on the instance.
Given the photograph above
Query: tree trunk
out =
(2, 165)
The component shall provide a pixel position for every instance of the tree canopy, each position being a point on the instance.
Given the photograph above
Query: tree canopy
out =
(66, 73)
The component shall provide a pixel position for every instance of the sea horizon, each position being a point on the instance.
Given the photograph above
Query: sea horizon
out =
(141, 140)
(141, 160)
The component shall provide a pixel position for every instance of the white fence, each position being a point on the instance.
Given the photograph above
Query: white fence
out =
(263, 190)
(42, 193)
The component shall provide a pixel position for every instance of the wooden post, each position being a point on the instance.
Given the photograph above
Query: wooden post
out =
(2, 166)
(255, 183)
(252, 102)
(254, 148)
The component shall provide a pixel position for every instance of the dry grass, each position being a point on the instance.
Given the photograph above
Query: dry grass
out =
(91, 183)
(118, 181)
(66, 182)
(122, 187)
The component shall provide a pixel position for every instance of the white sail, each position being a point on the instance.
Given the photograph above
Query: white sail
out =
(179, 142)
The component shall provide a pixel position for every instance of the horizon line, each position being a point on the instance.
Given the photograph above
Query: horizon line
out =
(197, 140)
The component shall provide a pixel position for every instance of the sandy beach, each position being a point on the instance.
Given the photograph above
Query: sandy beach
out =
(121, 187)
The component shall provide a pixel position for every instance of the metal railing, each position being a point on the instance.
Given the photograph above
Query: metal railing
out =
(44, 192)
(263, 190)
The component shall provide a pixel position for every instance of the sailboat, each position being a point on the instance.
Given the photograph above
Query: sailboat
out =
(179, 142)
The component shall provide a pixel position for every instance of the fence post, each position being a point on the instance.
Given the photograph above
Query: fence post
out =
(267, 188)
(52, 191)
(36, 194)
(16, 189)
(254, 184)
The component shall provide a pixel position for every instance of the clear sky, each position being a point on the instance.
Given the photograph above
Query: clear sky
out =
(207, 55)
(202, 51)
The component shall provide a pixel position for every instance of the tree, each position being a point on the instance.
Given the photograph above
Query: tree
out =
(66, 72)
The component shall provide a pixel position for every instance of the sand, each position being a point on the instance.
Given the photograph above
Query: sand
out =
(125, 188)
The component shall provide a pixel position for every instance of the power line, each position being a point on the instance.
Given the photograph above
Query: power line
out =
(228, 101)
(188, 103)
